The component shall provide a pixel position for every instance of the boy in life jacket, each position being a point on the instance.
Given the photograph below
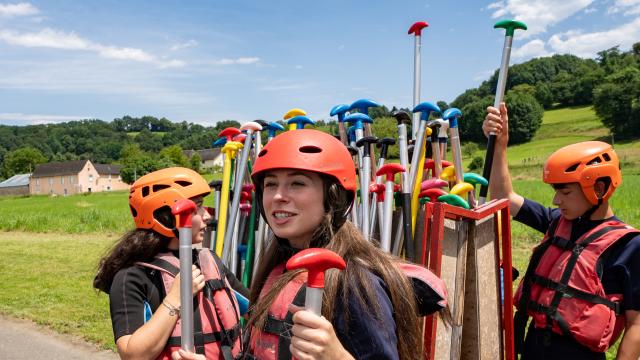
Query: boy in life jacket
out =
(141, 276)
(305, 183)
(582, 285)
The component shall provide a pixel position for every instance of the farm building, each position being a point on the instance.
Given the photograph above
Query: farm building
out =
(208, 157)
(74, 177)
(15, 185)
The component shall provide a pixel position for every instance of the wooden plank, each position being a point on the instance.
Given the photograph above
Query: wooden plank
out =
(482, 322)
(453, 264)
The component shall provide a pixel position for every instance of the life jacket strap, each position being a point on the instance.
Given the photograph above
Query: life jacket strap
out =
(571, 292)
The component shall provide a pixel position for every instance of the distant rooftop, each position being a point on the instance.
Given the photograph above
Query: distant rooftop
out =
(106, 169)
(59, 168)
(16, 180)
(206, 154)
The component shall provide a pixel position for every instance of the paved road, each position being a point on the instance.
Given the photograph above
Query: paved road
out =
(21, 340)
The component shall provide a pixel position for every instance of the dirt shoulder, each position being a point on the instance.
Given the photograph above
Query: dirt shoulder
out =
(22, 339)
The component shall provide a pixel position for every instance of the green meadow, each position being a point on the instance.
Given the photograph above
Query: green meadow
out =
(51, 245)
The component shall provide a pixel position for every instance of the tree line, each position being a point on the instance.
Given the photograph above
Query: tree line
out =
(611, 82)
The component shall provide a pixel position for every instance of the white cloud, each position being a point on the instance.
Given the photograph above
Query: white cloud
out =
(532, 49)
(184, 45)
(20, 9)
(538, 14)
(35, 119)
(589, 44)
(590, 10)
(627, 7)
(51, 38)
(238, 61)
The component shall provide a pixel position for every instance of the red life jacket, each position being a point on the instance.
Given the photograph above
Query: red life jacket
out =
(273, 340)
(562, 290)
(216, 316)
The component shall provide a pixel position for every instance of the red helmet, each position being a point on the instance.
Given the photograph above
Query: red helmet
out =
(161, 189)
(584, 163)
(310, 150)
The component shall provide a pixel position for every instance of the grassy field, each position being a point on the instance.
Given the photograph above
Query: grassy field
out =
(54, 243)
(47, 278)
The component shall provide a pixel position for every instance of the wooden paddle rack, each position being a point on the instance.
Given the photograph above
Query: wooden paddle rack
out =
(467, 249)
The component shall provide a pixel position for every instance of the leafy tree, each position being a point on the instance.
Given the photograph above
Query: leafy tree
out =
(23, 160)
(616, 102)
(221, 125)
(379, 112)
(469, 96)
(476, 163)
(140, 165)
(175, 155)
(130, 151)
(525, 116)
(543, 95)
(442, 105)
(387, 127)
(473, 113)
(562, 88)
(194, 161)
(148, 141)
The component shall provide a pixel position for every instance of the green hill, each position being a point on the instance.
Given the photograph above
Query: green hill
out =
(562, 127)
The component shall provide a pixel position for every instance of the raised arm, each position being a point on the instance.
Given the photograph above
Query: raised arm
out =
(500, 187)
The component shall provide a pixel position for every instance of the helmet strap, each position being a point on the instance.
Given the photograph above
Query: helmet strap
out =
(587, 214)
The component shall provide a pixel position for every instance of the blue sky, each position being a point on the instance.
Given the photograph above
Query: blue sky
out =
(205, 61)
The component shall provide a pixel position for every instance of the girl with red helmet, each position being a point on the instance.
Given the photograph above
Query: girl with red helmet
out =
(306, 183)
(582, 285)
(141, 275)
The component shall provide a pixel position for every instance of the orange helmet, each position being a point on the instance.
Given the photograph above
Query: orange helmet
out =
(161, 189)
(584, 163)
(310, 150)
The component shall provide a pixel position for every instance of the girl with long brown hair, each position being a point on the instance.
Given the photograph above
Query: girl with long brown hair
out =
(306, 183)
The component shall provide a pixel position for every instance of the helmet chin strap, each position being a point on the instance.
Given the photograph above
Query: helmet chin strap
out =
(587, 214)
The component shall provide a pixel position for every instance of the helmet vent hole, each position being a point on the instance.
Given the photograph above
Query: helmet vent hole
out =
(158, 187)
(310, 149)
(572, 168)
(262, 153)
(606, 157)
(595, 160)
(145, 191)
(183, 183)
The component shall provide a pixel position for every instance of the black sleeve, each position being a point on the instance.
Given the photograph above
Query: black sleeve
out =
(133, 297)
(536, 216)
(364, 336)
(622, 275)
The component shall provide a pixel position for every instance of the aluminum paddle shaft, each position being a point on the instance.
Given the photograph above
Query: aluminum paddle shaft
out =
(250, 127)
(510, 26)
(416, 29)
(183, 211)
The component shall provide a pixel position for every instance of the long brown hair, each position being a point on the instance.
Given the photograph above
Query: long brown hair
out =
(362, 259)
(134, 246)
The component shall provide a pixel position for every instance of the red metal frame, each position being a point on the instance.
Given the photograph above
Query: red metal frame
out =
(435, 213)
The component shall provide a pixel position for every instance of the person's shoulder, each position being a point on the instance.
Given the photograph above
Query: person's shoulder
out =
(133, 273)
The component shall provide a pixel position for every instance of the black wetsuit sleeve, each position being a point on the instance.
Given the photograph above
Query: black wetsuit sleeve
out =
(536, 216)
(364, 336)
(132, 298)
(622, 273)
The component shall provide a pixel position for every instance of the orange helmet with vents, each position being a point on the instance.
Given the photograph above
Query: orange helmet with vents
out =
(310, 150)
(584, 163)
(160, 189)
